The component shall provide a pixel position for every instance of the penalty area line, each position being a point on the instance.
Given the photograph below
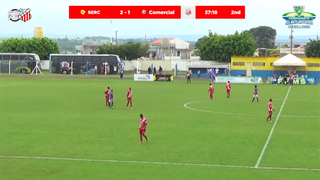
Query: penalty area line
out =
(157, 163)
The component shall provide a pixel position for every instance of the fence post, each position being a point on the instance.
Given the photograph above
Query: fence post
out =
(87, 67)
(176, 69)
(0, 67)
(21, 70)
(9, 66)
(71, 68)
(105, 68)
(50, 67)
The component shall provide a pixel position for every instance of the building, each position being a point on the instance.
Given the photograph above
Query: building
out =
(263, 67)
(169, 48)
(88, 47)
(38, 32)
(299, 51)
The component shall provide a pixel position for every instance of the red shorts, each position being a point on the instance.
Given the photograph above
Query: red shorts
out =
(107, 98)
(217, 74)
(211, 93)
(129, 99)
(142, 130)
(270, 112)
(228, 91)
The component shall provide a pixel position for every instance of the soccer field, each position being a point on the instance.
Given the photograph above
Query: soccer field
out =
(61, 129)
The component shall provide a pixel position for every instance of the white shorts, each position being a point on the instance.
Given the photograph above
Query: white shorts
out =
(255, 95)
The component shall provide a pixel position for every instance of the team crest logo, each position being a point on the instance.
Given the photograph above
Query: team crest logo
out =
(16, 15)
(188, 12)
(299, 18)
(298, 9)
(82, 12)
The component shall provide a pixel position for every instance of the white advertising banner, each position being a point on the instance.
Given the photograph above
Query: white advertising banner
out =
(244, 80)
(143, 77)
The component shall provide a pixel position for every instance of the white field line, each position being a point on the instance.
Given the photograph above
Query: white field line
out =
(272, 129)
(157, 163)
(2, 86)
(238, 114)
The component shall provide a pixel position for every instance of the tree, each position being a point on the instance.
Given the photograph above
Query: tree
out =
(265, 36)
(41, 46)
(130, 50)
(197, 45)
(221, 48)
(313, 48)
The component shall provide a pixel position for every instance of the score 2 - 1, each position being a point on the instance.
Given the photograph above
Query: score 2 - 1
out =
(124, 12)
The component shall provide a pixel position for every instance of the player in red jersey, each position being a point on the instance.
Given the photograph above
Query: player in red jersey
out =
(270, 109)
(228, 88)
(211, 90)
(143, 128)
(106, 92)
(129, 98)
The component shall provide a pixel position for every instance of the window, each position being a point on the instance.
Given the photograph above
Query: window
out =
(113, 60)
(54, 58)
(14, 57)
(61, 58)
(6, 57)
(0, 57)
(105, 59)
(70, 58)
(259, 64)
(31, 57)
(271, 64)
(313, 65)
(78, 58)
(23, 57)
(87, 58)
(96, 59)
(238, 63)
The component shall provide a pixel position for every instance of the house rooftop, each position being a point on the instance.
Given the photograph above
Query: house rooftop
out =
(159, 41)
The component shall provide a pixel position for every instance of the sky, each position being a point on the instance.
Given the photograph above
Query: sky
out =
(53, 17)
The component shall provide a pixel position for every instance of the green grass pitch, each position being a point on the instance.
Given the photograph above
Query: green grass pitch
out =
(60, 129)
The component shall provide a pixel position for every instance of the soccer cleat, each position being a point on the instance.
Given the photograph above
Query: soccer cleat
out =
(147, 139)
(140, 142)
(131, 108)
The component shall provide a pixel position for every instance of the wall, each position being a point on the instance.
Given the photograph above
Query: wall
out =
(268, 69)
(167, 65)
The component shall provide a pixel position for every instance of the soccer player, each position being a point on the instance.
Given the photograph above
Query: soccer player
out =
(255, 94)
(110, 96)
(106, 92)
(143, 128)
(211, 90)
(228, 88)
(270, 109)
(129, 98)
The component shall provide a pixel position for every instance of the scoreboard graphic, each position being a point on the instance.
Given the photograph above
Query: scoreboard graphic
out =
(157, 12)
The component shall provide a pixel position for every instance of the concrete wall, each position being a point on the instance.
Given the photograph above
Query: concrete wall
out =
(143, 65)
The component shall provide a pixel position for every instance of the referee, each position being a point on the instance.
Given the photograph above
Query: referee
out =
(188, 77)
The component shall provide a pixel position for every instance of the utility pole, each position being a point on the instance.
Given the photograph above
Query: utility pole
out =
(145, 38)
(291, 41)
(116, 39)
(66, 45)
(317, 37)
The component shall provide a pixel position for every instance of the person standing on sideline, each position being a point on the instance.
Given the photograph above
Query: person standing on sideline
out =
(154, 70)
(199, 73)
(121, 74)
(188, 77)
(149, 70)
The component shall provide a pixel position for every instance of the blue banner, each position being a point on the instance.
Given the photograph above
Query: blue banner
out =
(299, 81)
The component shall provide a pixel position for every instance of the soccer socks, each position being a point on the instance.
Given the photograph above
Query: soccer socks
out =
(257, 99)
(127, 104)
(253, 99)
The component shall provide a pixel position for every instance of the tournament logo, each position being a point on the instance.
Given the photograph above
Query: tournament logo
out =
(16, 15)
(82, 12)
(188, 12)
(299, 18)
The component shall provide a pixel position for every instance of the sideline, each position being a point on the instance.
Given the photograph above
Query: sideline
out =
(158, 163)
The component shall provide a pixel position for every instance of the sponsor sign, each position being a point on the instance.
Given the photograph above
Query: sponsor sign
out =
(298, 81)
(163, 78)
(244, 80)
(16, 15)
(143, 77)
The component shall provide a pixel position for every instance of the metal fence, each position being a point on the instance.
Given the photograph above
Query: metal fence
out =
(17, 66)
